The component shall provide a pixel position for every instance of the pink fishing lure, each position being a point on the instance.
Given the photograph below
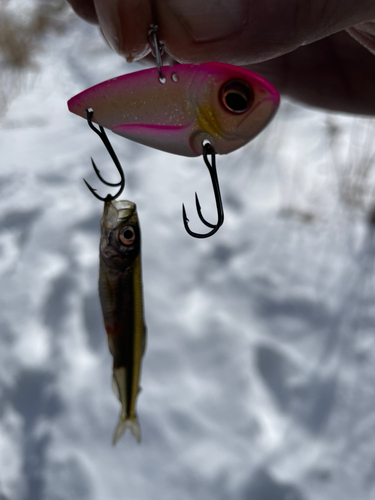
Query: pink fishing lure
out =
(220, 103)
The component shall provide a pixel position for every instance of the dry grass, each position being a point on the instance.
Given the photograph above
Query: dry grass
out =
(354, 162)
(20, 39)
(21, 35)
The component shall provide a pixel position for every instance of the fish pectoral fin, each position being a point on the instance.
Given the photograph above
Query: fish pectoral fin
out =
(128, 423)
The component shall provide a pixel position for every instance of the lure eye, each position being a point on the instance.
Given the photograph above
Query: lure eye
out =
(127, 236)
(237, 96)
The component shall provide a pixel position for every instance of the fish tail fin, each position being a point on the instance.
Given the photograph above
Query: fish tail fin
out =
(128, 423)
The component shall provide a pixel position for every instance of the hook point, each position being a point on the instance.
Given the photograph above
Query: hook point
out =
(184, 216)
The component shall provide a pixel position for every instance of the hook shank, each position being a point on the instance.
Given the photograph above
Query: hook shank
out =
(207, 149)
(103, 136)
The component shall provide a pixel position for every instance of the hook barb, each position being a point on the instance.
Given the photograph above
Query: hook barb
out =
(103, 136)
(207, 149)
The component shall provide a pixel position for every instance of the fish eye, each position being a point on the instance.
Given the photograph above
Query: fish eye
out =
(127, 235)
(237, 96)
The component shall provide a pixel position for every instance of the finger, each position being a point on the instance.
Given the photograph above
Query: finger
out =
(248, 31)
(336, 73)
(365, 35)
(240, 31)
(85, 9)
(125, 25)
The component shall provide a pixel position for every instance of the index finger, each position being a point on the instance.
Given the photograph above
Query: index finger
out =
(124, 23)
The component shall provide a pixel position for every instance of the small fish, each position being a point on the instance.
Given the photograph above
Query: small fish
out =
(120, 290)
(220, 103)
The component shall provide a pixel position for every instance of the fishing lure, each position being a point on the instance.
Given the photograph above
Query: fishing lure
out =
(222, 104)
(120, 292)
(186, 109)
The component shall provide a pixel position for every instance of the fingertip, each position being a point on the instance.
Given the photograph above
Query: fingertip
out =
(125, 26)
(85, 9)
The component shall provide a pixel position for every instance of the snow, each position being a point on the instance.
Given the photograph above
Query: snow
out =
(258, 379)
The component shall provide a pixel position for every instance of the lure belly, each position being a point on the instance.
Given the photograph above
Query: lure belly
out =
(220, 103)
(120, 291)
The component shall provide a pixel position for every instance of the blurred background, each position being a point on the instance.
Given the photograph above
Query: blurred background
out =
(258, 379)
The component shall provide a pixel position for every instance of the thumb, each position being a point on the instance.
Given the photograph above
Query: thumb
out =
(248, 31)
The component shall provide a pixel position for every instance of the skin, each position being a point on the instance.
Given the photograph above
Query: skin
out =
(305, 48)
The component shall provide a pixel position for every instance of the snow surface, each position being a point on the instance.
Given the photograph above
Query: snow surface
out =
(258, 379)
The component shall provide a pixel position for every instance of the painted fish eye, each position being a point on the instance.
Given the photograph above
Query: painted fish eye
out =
(237, 96)
(127, 235)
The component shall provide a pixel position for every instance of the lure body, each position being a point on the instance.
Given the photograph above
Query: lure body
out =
(220, 103)
(120, 290)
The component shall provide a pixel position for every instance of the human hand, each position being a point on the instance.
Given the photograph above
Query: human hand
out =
(299, 46)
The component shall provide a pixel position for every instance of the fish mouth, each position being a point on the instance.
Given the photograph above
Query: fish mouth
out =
(116, 211)
(123, 204)
(124, 208)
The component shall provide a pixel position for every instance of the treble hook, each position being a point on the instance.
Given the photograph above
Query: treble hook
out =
(101, 133)
(207, 149)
